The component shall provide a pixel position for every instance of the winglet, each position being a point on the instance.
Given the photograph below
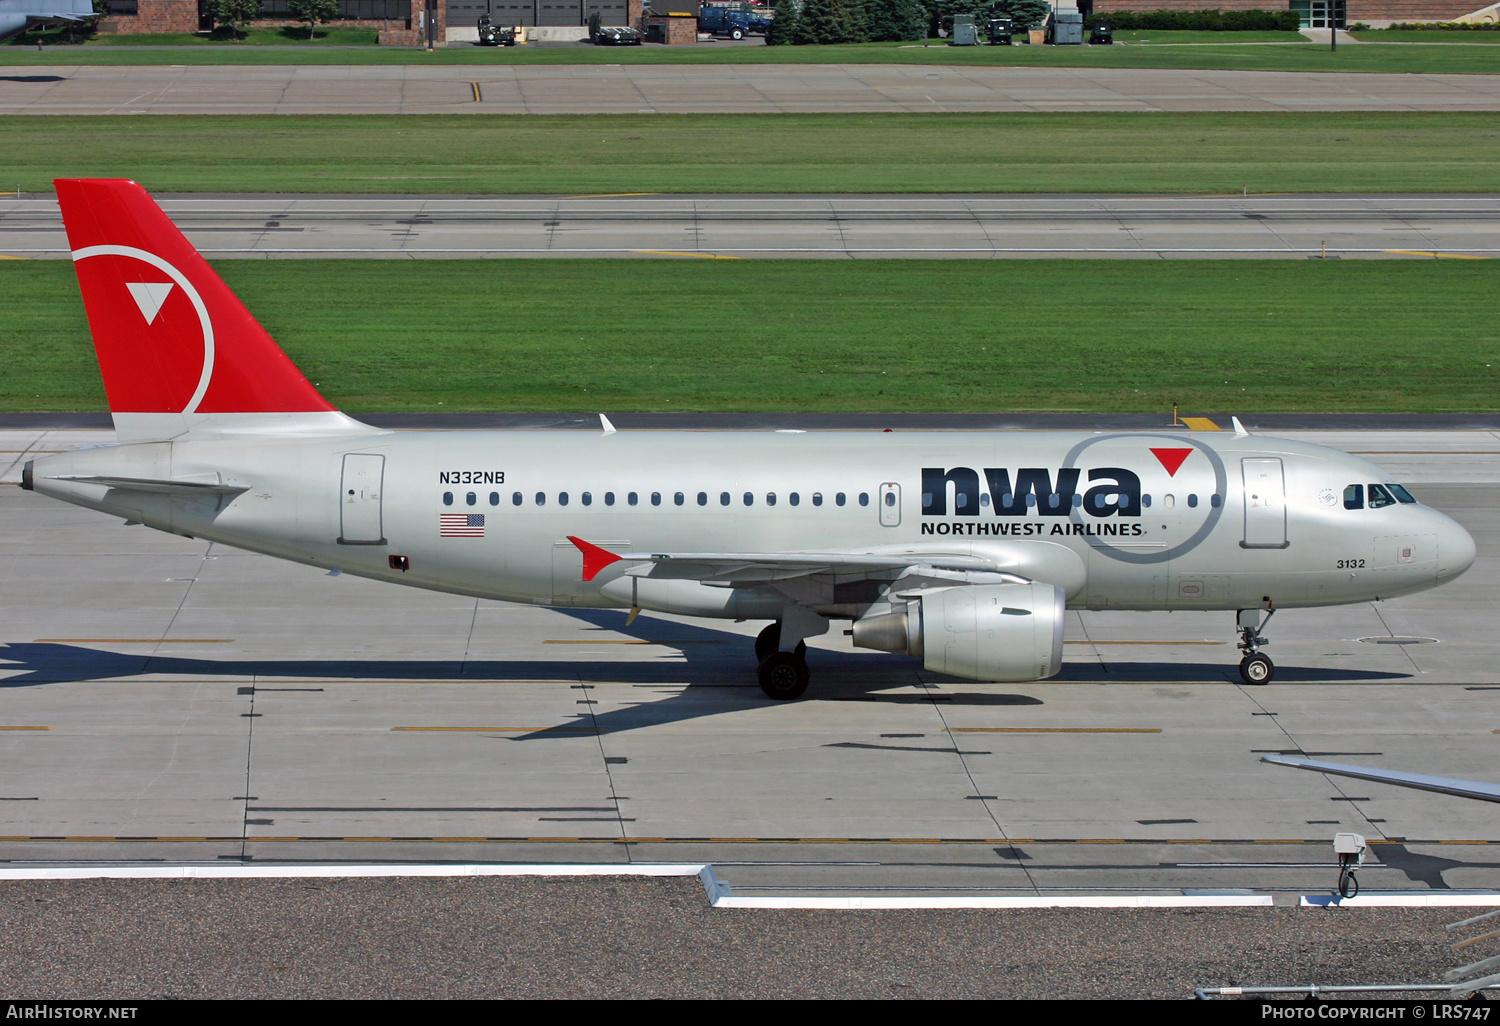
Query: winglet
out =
(604, 423)
(1239, 429)
(594, 558)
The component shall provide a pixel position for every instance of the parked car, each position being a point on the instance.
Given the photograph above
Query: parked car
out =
(494, 35)
(618, 35)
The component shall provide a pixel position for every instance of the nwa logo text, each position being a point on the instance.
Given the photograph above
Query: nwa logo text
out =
(1112, 492)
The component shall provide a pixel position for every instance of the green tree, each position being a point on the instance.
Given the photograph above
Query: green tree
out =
(825, 22)
(1025, 13)
(313, 12)
(784, 24)
(235, 14)
(891, 21)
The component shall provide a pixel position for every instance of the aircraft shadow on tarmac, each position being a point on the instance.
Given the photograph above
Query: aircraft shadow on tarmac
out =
(32, 78)
(706, 663)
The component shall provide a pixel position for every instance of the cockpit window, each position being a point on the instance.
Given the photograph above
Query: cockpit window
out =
(1380, 497)
(1354, 497)
(1402, 495)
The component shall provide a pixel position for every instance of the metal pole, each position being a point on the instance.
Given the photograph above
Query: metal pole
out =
(431, 24)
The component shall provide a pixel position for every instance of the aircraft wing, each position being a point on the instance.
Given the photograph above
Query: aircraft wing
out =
(1476, 789)
(758, 567)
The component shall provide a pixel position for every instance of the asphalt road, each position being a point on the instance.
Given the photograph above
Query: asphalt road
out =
(652, 88)
(840, 227)
(634, 938)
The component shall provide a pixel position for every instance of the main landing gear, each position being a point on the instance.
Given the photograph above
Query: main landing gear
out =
(783, 675)
(1256, 667)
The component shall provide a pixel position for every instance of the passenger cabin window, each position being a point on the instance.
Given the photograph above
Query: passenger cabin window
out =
(770, 498)
(609, 498)
(471, 498)
(677, 498)
(494, 498)
(633, 499)
(515, 498)
(723, 498)
(703, 498)
(1380, 497)
(587, 498)
(656, 498)
(1192, 501)
(541, 498)
(1145, 500)
(864, 498)
(794, 498)
(749, 499)
(1354, 497)
(447, 498)
(562, 498)
(838, 500)
(817, 498)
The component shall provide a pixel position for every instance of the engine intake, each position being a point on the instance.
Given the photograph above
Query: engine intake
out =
(993, 632)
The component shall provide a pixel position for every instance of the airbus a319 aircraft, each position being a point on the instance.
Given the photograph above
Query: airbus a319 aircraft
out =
(962, 549)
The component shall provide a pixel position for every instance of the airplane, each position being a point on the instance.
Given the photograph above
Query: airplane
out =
(17, 16)
(962, 549)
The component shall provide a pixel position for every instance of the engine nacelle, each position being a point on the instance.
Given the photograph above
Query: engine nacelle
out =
(993, 632)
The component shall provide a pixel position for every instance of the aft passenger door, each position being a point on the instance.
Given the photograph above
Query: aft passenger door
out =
(359, 499)
(1265, 503)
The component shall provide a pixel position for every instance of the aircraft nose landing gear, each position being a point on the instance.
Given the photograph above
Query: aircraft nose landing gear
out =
(1256, 667)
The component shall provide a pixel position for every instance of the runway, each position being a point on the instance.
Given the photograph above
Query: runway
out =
(843, 227)
(734, 88)
(165, 699)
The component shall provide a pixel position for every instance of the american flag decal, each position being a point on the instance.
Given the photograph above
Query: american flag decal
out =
(460, 525)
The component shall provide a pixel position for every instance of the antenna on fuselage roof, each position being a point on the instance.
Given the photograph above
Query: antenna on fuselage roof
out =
(1239, 429)
(604, 423)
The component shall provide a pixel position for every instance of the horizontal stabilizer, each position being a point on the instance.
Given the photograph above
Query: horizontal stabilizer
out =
(166, 486)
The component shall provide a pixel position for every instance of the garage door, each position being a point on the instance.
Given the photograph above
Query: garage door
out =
(559, 12)
(566, 13)
(609, 13)
(466, 13)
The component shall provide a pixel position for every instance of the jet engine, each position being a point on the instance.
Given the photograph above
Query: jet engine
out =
(993, 632)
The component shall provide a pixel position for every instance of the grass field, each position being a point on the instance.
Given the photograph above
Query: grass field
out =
(814, 335)
(1444, 58)
(1478, 36)
(781, 153)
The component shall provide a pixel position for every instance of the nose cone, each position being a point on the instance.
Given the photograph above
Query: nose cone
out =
(1455, 550)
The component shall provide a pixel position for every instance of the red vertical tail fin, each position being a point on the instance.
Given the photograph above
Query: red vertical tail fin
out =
(178, 351)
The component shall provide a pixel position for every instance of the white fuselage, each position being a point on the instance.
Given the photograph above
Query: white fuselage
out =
(1212, 532)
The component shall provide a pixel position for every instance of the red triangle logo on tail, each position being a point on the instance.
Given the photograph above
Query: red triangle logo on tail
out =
(1171, 459)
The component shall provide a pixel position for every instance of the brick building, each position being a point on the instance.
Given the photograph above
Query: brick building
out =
(401, 22)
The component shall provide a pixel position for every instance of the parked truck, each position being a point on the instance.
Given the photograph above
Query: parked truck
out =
(736, 21)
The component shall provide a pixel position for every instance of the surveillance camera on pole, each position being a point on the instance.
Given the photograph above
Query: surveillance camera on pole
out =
(1350, 848)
